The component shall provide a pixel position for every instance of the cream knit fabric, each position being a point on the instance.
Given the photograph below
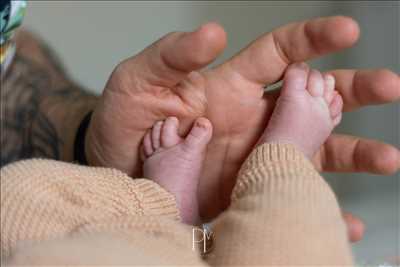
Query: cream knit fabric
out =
(282, 213)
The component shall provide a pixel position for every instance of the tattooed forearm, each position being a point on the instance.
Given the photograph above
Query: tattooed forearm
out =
(21, 138)
(39, 114)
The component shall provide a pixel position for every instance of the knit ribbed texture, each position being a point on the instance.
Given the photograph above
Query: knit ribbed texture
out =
(269, 163)
(282, 214)
(44, 199)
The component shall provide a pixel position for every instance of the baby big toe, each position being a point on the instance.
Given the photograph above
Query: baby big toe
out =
(199, 135)
(295, 78)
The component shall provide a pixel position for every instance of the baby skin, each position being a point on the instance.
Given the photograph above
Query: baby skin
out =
(305, 114)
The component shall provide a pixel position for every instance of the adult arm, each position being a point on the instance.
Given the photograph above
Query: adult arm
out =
(41, 108)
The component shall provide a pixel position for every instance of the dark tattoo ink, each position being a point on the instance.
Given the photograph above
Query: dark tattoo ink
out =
(26, 129)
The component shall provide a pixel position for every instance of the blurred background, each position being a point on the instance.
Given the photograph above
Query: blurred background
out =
(92, 37)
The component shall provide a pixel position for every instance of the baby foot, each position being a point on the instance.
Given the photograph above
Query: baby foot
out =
(175, 163)
(306, 111)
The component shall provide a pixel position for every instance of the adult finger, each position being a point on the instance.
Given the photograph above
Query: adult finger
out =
(345, 153)
(168, 61)
(366, 87)
(264, 61)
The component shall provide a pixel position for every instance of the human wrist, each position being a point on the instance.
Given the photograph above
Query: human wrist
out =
(74, 120)
(65, 112)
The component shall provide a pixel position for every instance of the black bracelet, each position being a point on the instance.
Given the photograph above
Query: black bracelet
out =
(79, 144)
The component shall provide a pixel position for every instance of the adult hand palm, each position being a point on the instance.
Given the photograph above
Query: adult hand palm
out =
(163, 81)
(237, 116)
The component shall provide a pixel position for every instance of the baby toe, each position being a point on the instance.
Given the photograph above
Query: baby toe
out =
(200, 134)
(329, 83)
(336, 105)
(156, 134)
(147, 144)
(295, 78)
(142, 153)
(315, 84)
(336, 120)
(169, 134)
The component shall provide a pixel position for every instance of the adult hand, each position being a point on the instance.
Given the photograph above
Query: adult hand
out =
(164, 80)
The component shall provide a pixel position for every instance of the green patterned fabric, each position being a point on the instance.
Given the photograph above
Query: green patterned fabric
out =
(11, 14)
